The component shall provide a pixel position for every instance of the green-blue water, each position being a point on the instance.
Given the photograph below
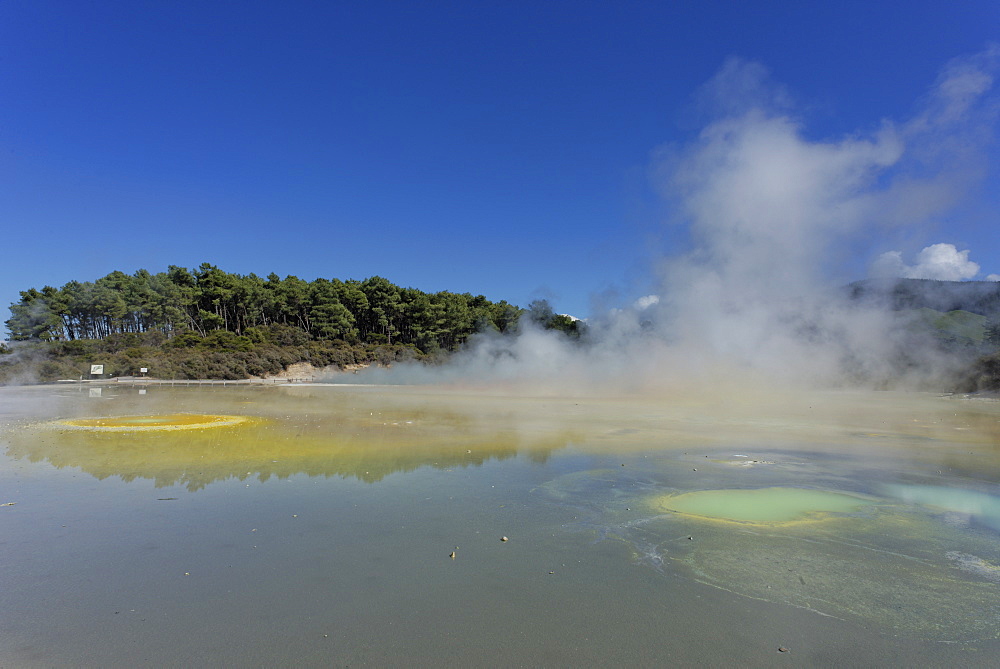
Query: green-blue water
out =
(762, 505)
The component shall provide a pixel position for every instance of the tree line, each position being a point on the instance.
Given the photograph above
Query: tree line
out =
(179, 303)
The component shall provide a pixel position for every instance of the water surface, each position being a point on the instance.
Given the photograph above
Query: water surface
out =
(363, 525)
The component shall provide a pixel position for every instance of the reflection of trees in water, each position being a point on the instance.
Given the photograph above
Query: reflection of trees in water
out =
(367, 448)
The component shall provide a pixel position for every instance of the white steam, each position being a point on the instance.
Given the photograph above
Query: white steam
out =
(773, 213)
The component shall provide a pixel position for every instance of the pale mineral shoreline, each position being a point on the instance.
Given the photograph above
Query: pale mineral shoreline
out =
(298, 373)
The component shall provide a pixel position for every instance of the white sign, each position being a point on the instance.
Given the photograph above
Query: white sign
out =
(143, 370)
(97, 369)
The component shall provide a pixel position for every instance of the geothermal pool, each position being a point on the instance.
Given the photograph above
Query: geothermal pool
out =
(339, 525)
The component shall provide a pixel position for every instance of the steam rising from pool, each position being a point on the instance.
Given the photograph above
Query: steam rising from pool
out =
(776, 223)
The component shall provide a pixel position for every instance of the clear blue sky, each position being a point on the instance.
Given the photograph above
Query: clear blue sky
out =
(503, 148)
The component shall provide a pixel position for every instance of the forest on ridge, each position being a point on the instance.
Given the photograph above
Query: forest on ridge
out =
(209, 323)
(212, 324)
(209, 299)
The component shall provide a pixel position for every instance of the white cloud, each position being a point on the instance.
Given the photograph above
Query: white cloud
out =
(943, 262)
(646, 302)
(993, 277)
(889, 265)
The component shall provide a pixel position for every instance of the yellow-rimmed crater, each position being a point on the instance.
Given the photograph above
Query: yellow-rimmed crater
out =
(158, 423)
(762, 505)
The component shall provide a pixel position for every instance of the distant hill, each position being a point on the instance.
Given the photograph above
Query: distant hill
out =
(977, 297)
(961, 317)
(952, 328)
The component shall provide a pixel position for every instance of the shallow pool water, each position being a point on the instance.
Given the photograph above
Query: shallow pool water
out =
(762, 505)
(178, 421)
(363, 525)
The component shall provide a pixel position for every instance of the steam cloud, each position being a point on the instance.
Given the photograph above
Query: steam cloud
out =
(772, 214)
